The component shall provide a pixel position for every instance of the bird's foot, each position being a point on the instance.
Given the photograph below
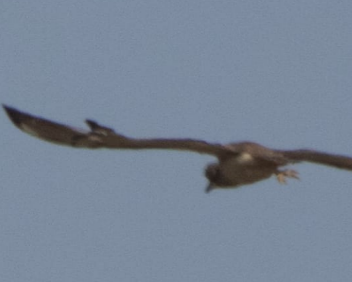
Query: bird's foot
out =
(282, 174)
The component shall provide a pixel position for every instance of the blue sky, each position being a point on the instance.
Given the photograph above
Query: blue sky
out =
(275, 72)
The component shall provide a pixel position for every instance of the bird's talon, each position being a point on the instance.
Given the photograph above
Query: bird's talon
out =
(282, 175)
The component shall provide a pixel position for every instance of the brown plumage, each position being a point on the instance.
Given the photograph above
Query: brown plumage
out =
(238, 164)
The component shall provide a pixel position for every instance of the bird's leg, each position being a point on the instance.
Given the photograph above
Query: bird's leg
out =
(282, 174)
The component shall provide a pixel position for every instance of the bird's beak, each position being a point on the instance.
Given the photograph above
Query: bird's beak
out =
(209, 188)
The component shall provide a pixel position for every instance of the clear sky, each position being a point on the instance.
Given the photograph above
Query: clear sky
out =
(275, 72)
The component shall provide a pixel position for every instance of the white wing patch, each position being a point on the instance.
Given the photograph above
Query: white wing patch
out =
(29, 130)
(244, 158)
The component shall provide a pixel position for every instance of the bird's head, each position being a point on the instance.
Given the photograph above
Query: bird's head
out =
(212, 173)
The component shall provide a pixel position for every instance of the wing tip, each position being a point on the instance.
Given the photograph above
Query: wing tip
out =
(14, 115)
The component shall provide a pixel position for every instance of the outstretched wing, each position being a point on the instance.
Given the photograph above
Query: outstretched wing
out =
(103, 137)
(339, 161)
(44, 129)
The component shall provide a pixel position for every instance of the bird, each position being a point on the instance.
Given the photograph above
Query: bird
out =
(238, 164)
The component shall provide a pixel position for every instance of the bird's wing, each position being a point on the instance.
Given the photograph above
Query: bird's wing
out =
(42, 128)
(103, 137)
(262, 155)
(339, 161)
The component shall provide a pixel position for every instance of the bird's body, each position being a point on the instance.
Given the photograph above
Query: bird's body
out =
(240, 170)
(251, 163)
(238, 164)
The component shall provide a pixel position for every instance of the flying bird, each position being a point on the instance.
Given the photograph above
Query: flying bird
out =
(237, 164)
